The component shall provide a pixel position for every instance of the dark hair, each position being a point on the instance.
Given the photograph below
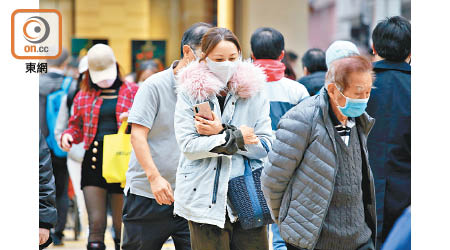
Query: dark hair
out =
(288, 71)
(215, 36)
(314, 60)
(267, 43)
(392, 38)
(290, 55)
(88, 85)
(71, 95)
(193, 35)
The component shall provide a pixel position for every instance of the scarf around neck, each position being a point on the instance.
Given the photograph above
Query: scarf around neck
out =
(274, 69)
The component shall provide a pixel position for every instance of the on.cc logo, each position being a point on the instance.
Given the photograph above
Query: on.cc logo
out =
(40, 28)
(36, 34)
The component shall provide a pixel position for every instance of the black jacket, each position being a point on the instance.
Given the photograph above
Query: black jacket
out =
(389, 143)
(313, 82)
(47, 210)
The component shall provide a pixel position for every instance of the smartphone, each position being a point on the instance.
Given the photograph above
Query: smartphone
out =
(203, 110)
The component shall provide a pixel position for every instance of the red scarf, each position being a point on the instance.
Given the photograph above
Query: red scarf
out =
(274, 69)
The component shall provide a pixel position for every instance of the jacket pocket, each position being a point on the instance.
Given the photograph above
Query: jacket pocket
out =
(285, 202)
(193, 189)
(189, 168)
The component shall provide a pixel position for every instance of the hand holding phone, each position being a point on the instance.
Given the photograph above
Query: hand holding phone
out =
(208, 127)
(203, 110)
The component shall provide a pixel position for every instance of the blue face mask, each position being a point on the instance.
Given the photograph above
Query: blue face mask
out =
(353, 107)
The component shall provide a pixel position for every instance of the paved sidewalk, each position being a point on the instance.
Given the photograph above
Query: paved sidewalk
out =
(80, 244)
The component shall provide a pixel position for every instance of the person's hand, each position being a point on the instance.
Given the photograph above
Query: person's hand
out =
(161, 190)
(249, 135)
(66, 142)
(44, 233)
(124, 116)
(206, 127)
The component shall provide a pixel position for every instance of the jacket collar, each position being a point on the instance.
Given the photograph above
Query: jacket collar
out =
(385, 64)
(316, 74)
(201, 84)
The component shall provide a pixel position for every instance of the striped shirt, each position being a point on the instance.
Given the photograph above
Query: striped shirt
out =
(343, 130)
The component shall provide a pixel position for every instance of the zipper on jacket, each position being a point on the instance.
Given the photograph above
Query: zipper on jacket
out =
(329, 200)
(216, 180)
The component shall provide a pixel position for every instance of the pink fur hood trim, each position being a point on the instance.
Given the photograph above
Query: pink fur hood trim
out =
(200, 83)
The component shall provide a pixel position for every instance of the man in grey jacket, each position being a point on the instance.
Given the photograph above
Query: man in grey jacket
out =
(318, 183)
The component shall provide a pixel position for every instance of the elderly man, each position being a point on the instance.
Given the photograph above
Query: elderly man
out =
(318, 183)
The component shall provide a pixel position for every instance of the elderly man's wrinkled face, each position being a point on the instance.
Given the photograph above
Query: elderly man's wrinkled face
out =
(358, 87)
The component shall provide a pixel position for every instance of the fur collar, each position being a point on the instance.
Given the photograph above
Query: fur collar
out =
(200, 83)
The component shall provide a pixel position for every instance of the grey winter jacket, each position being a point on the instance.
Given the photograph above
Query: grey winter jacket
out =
(298, 180)
(47, 210)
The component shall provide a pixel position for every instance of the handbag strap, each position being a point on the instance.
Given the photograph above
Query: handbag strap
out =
(248, 168)
(123, 127)
(251, 188)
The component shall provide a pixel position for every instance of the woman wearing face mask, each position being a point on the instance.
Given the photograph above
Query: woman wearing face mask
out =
(98, 110)
(215, 151)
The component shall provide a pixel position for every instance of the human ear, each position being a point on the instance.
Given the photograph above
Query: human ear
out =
(305, 71)
(331, 87)
(186, 50)
(374, 52)
(281, 55)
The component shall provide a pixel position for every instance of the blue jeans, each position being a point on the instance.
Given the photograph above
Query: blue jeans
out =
(277, 241)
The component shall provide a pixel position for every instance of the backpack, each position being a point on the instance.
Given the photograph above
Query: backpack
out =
(52, 110)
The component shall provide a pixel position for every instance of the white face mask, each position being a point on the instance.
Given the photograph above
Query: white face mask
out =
(222, 70)
(104, 84)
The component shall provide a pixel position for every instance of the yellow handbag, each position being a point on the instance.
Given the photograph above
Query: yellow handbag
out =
(116, 156)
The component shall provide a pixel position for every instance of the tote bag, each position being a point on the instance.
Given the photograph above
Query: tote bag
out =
(247, 198)
(116, 156)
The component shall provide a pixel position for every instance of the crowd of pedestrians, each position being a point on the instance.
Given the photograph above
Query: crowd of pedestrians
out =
(226, 149)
